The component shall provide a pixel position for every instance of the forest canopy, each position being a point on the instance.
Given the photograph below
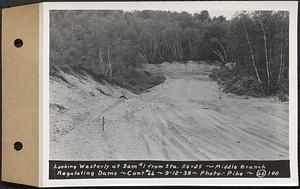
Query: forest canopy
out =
(114, 44)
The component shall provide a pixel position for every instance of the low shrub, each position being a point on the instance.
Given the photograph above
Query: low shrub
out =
(283, 90)
(234, 82)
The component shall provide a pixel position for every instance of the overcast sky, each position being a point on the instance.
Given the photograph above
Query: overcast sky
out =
(229, 14)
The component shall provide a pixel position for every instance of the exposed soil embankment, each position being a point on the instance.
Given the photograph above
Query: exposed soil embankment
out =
(183, 118)
(176, 67)
(137, 81)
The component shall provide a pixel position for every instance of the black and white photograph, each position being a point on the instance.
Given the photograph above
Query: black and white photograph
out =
(150, 93)
(169, 85)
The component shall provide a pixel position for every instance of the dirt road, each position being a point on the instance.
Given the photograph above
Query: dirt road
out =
(181, 119)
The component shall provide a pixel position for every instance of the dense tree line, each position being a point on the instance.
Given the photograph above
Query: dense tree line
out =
(114, 42)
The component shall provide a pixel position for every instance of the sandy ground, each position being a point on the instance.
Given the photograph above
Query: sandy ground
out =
(181, 119)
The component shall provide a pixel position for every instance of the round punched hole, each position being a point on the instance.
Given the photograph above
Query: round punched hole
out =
(18, 146)
(18, 43)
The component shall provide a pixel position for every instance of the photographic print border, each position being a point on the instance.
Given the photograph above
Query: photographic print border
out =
(44, 94)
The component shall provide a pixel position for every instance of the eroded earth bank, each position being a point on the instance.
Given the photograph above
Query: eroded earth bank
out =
(180, 119)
